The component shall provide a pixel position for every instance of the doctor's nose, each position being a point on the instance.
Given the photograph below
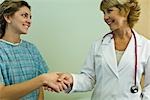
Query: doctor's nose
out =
(106, 16)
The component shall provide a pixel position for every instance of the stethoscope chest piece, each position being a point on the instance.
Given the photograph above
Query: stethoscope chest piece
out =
(134, 89)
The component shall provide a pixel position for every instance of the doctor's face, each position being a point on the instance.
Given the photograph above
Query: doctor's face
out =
(114, 19)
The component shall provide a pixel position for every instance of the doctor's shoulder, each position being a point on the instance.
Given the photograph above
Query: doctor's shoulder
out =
(98, 40)
(145, 44)
(145, 40)
(96, 44)
(103, 37)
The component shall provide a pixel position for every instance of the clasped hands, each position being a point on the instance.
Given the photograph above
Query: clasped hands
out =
(57, 81)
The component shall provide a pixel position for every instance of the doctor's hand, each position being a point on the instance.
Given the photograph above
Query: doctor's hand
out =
(66, 78)
(51, 82)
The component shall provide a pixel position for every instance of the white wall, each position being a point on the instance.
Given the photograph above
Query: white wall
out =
(63, 30)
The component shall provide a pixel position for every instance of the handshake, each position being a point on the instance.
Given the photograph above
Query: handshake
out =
(57, 81)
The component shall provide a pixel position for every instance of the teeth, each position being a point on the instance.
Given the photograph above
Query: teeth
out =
(26, 26)
(109, 23)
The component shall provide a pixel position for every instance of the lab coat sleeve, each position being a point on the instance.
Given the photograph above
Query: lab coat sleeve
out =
(146, 90)
(85, 81)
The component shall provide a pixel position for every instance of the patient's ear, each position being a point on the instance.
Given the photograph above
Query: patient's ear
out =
(7, 18)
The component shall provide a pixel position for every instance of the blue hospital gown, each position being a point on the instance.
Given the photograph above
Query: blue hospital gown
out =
(19, 63)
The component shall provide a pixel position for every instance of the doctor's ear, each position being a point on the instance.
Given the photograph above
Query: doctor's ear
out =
(7, 18)
(133, 5)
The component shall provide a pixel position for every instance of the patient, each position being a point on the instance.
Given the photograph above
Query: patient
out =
(23, 71)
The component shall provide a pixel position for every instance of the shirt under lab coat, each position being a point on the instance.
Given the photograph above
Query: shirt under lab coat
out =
(110, 81)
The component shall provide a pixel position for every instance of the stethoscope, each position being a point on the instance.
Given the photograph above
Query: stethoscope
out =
(134, 88)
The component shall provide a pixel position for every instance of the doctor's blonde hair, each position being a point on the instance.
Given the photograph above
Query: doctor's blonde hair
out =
(129, 8)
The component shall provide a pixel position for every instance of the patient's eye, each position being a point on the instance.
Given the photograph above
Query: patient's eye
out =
(26, 15)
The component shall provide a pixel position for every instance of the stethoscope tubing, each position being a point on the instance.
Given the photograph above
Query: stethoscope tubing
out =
(135, 50)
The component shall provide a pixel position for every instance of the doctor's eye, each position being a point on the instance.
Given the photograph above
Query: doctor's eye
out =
(109, 10)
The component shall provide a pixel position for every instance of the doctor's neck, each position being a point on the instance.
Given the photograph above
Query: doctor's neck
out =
(122, 33)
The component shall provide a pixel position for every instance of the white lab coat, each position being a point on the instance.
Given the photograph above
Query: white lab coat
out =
(110, 81)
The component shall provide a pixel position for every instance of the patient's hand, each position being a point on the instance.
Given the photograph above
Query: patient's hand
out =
(56, 81)
(66, 78)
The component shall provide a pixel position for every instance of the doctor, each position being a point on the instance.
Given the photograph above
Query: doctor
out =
(116, 63)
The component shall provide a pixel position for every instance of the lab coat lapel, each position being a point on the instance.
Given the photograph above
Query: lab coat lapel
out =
(129, 53)
(109, 55)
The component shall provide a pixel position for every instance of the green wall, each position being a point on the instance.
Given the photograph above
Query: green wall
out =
(63, 30)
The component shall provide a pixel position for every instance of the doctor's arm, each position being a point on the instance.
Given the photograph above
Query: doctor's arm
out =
(84, 81)
(146, 89)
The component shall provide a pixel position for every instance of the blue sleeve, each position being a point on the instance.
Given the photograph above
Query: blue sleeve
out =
(40, 62)
(1, 76)
(1, 73)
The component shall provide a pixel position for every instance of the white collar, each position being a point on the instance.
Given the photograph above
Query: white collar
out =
(14, 44)
(108, 38)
